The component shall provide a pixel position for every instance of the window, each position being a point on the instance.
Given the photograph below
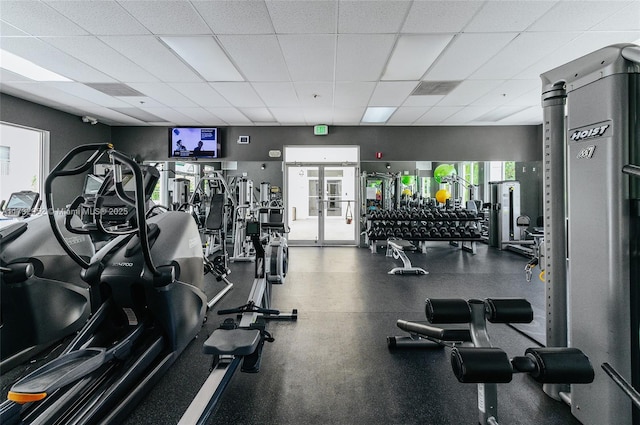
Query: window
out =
(24, 159)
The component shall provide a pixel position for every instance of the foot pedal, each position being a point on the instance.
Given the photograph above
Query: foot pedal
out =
(56, 374)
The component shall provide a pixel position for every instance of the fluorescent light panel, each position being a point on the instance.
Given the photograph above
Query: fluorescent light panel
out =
(205, 56)
(378, 114)
(26, 68)
(413, 55)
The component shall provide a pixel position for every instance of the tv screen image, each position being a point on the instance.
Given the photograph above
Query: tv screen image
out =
(190, 142)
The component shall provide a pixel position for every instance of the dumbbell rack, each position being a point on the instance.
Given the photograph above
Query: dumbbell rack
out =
(459, 227)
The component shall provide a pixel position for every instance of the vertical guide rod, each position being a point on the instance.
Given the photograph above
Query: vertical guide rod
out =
(555, 232)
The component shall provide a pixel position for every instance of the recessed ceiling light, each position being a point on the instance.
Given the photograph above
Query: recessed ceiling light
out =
(26, 68)
(378, 113)
(205, 56)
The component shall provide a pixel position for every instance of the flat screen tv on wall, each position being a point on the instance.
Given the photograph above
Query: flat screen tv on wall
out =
(194, 142)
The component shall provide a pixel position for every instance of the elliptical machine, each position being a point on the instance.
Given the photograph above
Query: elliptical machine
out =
(42, 297)
(147, 286)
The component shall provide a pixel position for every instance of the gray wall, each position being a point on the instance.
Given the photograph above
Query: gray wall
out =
(507, 143)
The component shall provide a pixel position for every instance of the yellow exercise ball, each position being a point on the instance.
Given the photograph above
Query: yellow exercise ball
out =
(442, 195)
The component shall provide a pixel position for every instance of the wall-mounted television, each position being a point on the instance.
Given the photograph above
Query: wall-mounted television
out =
(194, 142)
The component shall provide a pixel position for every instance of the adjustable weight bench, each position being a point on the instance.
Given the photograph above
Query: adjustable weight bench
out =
(396, 248)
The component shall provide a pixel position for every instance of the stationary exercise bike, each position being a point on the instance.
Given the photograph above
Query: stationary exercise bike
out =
(147, 285)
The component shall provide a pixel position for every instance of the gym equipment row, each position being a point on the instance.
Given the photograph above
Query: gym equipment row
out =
(474, 359)
(239, 344)
(145, 290)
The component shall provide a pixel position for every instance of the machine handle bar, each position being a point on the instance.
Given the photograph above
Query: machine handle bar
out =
(633, 170)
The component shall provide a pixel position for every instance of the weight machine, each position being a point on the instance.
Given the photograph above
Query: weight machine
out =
(243, 250)
(591, 109)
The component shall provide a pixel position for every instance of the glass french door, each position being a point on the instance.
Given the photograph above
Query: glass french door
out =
(321, 204)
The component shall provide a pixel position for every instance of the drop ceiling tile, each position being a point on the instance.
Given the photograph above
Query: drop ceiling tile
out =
(392, 93)
(584, 44)
(627, 18)
(111, 117)
(353, 94)
(364, 16)
(42, 54)
(468, 92)
(49, 93)
(153, 56)
(531, 97)
(240, 95)
(99, 17)
(314, 116)
(163, 93)
(288, 115)
(406, 115)
(280, 95)
(235, 17)
(576, 15)
(138, 114)
(7, 30)
(496, 16)
(231, 116)
(141, 101)
(171, 115)
(84, 92)
(315, 95)
(258, 114)
(98, 55)
(37, 18)
(362, 57)
(258, 57)
(530, 116)
(309, 57)
(413, 54)
(423, 100)
(440, 16)
(303, 17)
(437, 114)
(508, 91)
(467, 114)
(203, 116)
(498, 114)
(201, 94)
(510, 61)
(8, 76)
(467, 53)
(347, 116)
(167, 17)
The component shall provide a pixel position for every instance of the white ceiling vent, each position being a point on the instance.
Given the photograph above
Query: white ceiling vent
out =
(115, 89)
(435, 88)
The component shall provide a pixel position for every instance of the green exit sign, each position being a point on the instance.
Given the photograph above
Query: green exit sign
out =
(321, 130)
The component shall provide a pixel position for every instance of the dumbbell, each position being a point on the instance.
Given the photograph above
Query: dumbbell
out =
(434, 233)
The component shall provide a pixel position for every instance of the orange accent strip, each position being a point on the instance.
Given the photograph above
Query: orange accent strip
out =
(25, 397)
